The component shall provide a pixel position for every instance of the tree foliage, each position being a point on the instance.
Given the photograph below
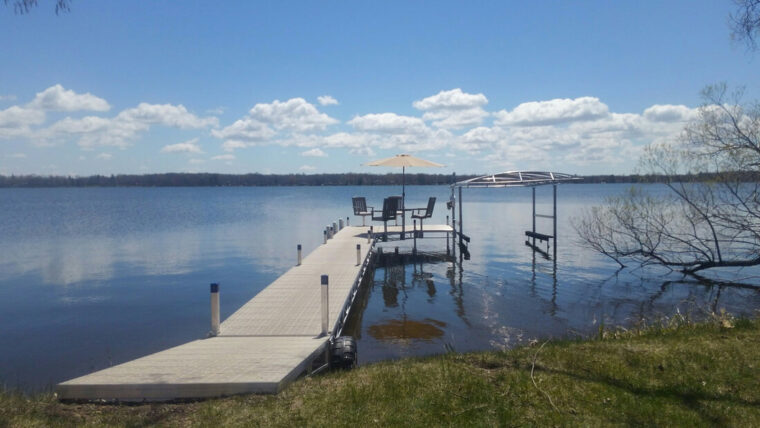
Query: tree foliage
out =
(745, 22)
(697, 224)
(24, 6)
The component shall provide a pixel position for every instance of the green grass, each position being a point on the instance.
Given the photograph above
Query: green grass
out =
(673, 373)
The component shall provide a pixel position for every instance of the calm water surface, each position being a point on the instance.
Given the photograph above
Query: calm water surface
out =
(95, 277)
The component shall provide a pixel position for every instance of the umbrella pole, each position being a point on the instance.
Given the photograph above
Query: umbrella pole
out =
(403, 202)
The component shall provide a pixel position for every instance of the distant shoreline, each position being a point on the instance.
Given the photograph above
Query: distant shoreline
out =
(276, 180)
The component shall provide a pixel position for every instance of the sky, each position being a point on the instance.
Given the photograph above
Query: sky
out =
(123, 87)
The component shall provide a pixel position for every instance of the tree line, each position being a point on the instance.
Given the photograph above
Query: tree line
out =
(338, 179)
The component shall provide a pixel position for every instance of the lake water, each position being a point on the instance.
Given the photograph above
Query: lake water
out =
(98, 276)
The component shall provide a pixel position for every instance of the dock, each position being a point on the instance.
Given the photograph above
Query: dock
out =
(262, 347)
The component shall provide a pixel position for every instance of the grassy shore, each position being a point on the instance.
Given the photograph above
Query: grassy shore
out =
(674, 373)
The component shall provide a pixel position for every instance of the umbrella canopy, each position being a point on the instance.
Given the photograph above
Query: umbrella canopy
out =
(403, 160)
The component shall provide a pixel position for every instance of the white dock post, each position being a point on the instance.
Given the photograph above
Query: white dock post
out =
(335, 228)
(299, 255)
(324, 234)
(215, 309)
(340, 224)
(347, 221)
(325, 305)
(358, 254)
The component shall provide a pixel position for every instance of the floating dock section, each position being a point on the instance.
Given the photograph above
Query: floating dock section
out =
(262, 347)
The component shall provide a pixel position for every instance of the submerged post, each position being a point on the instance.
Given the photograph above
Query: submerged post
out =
(534, 216)
(554, 218)
(214, 309)
(461, 242)
(325, 305)
(414, 249)
(358, 254)
(299, 255)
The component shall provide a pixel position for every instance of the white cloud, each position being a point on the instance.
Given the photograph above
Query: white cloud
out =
(122, 129)
(307, 168)
(190, 146)
(315, 152)
(327, 100)
(175, 116)
(453, 109)
(390, 123)
(454, 99)
(553, 112)
(294, 114)
(104, 156)
(669, 113)
(244, 132)
(227, 157)
(59, 99)
(15, 117)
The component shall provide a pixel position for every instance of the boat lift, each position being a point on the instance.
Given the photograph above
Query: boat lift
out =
(512, 179)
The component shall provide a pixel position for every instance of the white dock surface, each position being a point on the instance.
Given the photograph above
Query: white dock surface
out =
(262, 347)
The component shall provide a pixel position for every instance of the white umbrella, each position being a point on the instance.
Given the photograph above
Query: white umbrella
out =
(403, 160)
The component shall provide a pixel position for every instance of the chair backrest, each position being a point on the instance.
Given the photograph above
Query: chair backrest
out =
(360, 204)
(431, 205)
(390, 206)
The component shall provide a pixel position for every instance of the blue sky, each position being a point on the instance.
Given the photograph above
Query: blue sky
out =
(278, 87)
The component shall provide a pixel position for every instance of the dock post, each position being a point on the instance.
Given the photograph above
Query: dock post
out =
(414, 249)
(554, 217)
(214, 309)
(340, 224)
(461, 240)
(335, 228)
(325, 305)
(369, 236)
(299, 255)
(348, 221)
(534, 216)
(358, 254)
(324, 234)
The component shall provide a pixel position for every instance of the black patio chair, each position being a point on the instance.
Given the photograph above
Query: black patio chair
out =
(390, 206)
(361, 208)
(423, 213)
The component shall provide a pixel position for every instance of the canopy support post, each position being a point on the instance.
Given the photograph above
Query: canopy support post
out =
(554, 219)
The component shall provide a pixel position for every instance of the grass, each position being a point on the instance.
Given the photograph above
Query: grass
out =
(673, 373)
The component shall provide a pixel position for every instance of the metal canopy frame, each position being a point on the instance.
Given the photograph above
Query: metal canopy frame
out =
(514, 179)
(517, 179)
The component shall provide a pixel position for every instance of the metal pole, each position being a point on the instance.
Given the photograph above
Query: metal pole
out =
(325, 305)
(460, 217)
(555, 223)
(534, 216)
(358, 254)
(403, 202)
(299, 255)
(415, 237)
(215, 309)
